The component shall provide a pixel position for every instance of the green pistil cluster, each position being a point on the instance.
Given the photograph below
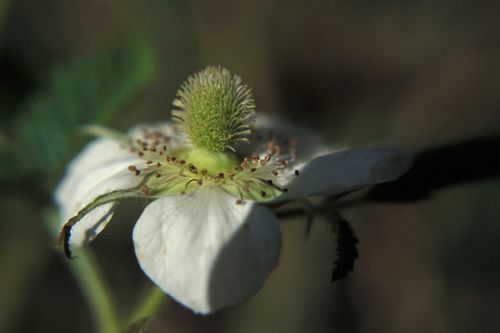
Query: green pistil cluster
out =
(215, 110)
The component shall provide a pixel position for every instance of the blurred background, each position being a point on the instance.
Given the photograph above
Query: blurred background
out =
(416, 74)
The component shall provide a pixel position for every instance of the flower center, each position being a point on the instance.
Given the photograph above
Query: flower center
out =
(215, 112)
(181, 170)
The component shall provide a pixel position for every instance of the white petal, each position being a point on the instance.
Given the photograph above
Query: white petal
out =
(347, 170)
(308, 143)
(177, 138)
(206, 251)
(100, 168)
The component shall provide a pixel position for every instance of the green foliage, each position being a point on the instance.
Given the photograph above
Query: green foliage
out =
(91, 90)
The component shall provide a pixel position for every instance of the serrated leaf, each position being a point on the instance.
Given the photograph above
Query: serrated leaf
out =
(346, 250)
(91, 90)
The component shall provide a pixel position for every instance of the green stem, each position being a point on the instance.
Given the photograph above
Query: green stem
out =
(94, 289)
(147, 305)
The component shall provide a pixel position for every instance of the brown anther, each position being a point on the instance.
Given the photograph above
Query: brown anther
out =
(269, 182)
(204, 172)
(132, 168)
(153, 149)
(200, 182)
(262, 162)
(173, 158)
(221, 175)
(275, 173)
(144, 189)
(158, 164)
(140, 154)
(158, 175)
(161, 153)
(164, 147)
(193, 168)
(156, 142)
(137, 172)
(182, 162)
(253, 169)
(277, 150)
(239, 202)
(263, 194)
(296, 172)
(149, 162)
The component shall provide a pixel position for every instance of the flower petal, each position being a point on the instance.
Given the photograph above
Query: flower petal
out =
(100, 168)
(205, 250)
(308, 143)
(347, 170)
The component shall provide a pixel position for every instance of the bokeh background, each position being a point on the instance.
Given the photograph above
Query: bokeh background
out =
(416, 74)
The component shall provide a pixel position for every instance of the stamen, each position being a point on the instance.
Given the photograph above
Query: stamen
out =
(144, 189)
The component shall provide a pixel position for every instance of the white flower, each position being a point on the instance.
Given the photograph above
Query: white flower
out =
(207, 237)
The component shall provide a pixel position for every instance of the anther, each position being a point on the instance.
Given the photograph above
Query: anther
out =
(263, 194)
(296, 172)
(132, 168)
(149, 162)
(193, 168)
(144, 189)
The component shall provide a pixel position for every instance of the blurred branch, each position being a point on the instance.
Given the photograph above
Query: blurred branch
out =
(146, 307)
(4, 8)
(88, 276)
(442, 167)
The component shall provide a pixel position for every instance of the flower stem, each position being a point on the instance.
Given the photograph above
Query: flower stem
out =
(88, 276)
(147, 305)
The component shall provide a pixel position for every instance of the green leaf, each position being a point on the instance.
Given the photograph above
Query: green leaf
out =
(346, 249)
(91, 90)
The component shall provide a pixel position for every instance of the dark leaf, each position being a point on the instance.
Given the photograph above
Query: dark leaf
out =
(346, 249)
